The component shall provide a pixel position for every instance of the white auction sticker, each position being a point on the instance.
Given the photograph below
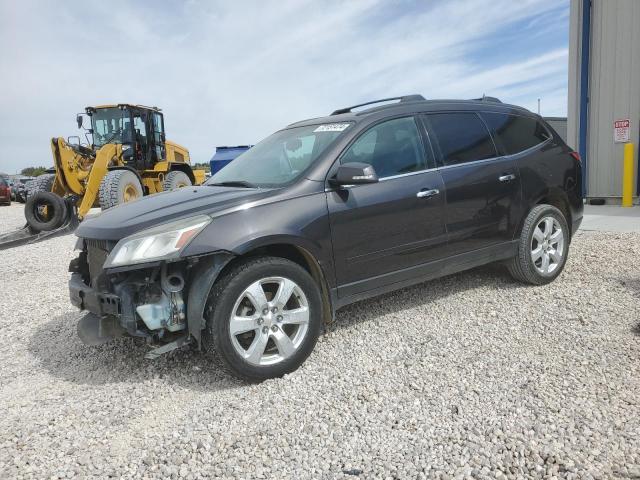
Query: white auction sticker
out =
(332, 127)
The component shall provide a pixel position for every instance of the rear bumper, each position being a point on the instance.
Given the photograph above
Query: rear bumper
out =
(86, 298)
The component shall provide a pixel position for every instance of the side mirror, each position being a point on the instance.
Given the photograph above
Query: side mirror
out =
(355, 173)
(79, 120)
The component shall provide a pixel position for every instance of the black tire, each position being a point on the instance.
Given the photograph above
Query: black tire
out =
(175, 180)
(45, 211)
(222, 298)
(522, 266)
(117, 187)
(42, 183)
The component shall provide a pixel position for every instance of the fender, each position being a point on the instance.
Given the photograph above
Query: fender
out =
(201, 280)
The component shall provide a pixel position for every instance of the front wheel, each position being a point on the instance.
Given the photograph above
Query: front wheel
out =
(543, 246)
(117, 187)
(264, 317)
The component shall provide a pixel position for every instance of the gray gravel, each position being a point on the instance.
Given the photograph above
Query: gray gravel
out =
(472, 375)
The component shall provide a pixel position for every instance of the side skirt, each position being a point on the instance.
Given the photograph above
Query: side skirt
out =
(354, 292)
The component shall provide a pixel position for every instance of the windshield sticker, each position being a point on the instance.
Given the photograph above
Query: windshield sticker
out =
(332, 127)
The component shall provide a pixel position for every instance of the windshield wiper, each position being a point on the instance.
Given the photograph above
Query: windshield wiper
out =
(233, 183)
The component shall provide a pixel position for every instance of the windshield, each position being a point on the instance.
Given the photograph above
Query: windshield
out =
(280, 158)
(110, 125)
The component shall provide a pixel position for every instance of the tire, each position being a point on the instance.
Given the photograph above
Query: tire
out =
(175, 180)
(45, 211)
(117, 187)
(539, 238)
(227, 298)
(42, 183)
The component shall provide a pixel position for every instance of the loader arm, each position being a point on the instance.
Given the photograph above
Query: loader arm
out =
(69, 174)
(98, 171)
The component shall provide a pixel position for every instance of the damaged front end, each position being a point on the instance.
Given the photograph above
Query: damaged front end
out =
(161, 300)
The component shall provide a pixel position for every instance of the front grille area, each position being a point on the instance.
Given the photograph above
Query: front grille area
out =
(97, 252)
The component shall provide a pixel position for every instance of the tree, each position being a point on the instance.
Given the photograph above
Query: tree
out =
(33, 171)
(202, 166)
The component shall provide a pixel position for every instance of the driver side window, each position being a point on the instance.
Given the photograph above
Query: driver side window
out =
(393, 148)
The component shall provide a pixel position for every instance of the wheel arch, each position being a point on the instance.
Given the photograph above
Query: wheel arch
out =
(183, 167)
(555, 197)
(292, 250)
(559, 199)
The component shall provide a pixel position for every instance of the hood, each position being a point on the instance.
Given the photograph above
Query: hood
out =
(147, 212)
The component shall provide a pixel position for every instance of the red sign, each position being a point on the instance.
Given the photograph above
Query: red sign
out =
(621, 130)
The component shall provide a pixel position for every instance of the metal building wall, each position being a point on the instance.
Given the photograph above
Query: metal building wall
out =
(559, 124)
(614, 87)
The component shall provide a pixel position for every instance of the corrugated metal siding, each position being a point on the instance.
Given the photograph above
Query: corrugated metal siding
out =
(614, 90)
(559, 124)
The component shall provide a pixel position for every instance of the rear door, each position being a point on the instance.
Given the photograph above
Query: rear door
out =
(381, 230)
(483, 188)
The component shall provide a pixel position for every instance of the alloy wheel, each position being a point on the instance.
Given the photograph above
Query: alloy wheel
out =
(547, 245)
(269, 321)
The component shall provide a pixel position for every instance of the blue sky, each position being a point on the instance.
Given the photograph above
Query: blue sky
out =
(228, 73)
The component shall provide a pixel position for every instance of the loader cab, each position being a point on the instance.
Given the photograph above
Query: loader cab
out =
(140, 130)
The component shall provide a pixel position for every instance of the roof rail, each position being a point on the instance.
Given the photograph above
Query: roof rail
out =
(405, 98)
(487, 99)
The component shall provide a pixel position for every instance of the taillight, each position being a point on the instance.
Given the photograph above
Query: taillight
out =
(576, 157)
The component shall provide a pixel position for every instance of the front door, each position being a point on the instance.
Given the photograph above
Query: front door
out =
(483, 188)
(382, 231)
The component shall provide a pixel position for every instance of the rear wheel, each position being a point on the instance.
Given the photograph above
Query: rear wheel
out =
(543, 246)
(175, 180)
(119, 186)
(264, 318)
(42, 183)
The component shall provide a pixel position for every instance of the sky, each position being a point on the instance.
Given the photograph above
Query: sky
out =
(232, 72)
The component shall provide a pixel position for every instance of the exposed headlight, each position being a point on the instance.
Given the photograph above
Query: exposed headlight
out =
(161, 242)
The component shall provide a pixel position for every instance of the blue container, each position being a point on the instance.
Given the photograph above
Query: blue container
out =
(224, 155)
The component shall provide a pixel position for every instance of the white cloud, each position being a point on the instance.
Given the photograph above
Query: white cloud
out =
(232, 72)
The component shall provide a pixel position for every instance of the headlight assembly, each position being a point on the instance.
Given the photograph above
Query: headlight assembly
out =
(157, 243)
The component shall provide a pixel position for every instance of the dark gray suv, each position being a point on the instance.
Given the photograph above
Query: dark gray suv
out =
(324, 213)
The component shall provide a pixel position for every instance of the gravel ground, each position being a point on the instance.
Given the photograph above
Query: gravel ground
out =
(472, 375)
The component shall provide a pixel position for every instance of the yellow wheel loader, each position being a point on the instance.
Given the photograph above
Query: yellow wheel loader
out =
(127, 157)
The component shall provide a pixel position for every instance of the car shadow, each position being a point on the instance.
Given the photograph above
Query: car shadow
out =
(61, 353)
(424, 293)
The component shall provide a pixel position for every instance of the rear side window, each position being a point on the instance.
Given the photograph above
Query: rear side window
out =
(515, 133)
(461, 137)
(392, 148)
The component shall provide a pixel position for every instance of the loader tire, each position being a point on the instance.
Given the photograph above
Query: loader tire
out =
(175, 180)
(45, 211)
(119, 186)
(42, 183)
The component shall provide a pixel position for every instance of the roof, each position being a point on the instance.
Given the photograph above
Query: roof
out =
(116, 105)
(409, 104)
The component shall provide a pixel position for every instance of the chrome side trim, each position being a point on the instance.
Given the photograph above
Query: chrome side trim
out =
(391, 177)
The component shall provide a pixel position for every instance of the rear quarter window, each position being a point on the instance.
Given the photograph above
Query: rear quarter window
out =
(461, 137)
(515, 133)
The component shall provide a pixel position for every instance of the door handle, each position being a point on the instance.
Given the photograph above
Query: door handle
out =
(507, 178)
(427, 193)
